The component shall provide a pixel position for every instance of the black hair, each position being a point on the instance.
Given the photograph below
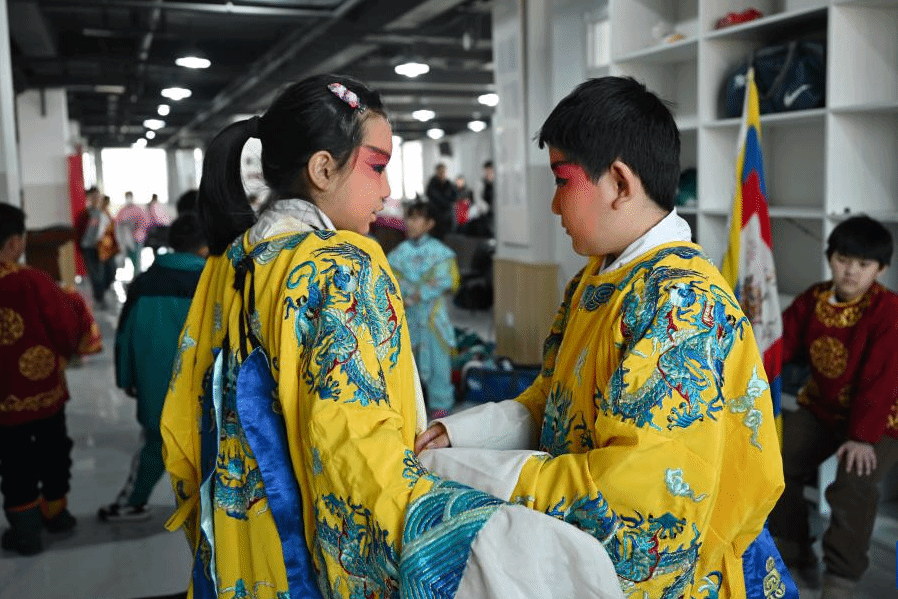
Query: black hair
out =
(305, 118)
(187, 202)
(488, 164)
(12, 222)
(617, 118)
(185, 233)
(91, 190)
(861, 237)
(421, 208)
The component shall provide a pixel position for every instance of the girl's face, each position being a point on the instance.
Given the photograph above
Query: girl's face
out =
(853, 276)
(362, 187)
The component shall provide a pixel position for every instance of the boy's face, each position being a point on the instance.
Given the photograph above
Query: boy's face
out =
(417, 225)
(584, 206)
(853, 276)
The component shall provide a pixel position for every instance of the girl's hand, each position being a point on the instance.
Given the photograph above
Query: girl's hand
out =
(434, 437)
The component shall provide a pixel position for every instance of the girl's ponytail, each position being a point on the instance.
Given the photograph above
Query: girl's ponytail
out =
(224, 209)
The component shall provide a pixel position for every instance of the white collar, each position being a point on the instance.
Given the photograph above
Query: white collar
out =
(670, 228)
(289, 216)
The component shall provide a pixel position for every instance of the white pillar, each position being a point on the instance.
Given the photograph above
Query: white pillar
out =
(10, 180)
(43, 153)
(181, 173)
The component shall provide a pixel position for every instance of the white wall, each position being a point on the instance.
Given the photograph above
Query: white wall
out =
(43, 145)
(181, 174)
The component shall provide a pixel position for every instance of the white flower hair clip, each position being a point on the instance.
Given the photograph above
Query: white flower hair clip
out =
(347, 95)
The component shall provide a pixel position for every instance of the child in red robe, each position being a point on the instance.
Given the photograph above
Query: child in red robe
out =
(42, 326)
(847, 330)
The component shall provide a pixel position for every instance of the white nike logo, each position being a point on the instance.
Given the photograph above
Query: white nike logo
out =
(790, 97)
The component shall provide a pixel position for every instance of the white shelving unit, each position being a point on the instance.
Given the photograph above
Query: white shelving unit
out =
(821, 165)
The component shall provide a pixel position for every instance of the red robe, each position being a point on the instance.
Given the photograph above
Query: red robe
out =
(41, 327)
(852, 349)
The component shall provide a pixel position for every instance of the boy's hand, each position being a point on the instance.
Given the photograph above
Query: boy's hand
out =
(855, 452)
(434, 437)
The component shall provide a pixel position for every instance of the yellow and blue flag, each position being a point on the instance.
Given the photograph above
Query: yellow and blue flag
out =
(748, 263)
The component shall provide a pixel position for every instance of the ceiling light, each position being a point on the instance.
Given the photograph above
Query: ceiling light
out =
(154, 124)
(488, 99)
(423, 115)
(411, 69)
(435, 133)
(193, 62)
(163, 109)
(476, 126)
(140, 143)
(176, 93)
(150, 134)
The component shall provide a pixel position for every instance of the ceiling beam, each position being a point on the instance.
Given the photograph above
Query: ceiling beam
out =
(412, 86)
(63, 6)
(407, 39)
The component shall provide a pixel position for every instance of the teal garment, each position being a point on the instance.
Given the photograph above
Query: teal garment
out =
(145, 346)
(427, 271)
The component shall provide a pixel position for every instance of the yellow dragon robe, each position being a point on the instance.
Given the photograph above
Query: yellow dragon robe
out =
(654, 414)
(293, 393)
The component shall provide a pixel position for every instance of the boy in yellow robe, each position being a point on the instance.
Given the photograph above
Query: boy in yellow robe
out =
(652, 412)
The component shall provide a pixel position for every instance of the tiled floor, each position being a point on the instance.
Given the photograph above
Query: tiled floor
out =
(127, 561)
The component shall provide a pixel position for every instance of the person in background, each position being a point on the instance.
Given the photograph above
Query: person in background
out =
(652, 414)
(293, 404)
(441, 194)
(108, 249)
(132, 222)
(158, 222)
(41, 328)
(481, 215)
(92, 225)
(847, 330)
(464, 198)
(186, 202)
(427, 271)
(146, 342)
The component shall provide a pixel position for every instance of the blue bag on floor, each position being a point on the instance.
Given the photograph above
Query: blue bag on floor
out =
(484, 383)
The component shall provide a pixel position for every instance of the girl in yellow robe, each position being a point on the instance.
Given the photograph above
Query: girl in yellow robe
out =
(294, 400)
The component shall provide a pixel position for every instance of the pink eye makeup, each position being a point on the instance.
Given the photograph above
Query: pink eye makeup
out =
(374, 159)
(566, 172)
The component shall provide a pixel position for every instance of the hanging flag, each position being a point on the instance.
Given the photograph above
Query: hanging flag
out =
(748, 263)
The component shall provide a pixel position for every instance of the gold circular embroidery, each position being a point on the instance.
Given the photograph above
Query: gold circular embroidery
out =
(892, 423)
(844, 396)
(829, 356)
(11, 326)
(37, 363)
(841, 315)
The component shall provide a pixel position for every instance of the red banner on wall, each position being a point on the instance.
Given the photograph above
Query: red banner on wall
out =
(78, 203)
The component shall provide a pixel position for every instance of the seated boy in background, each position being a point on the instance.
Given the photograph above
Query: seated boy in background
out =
(41, 328)
(847, 329)
(652, 410)
(427, 271)
(145, 346)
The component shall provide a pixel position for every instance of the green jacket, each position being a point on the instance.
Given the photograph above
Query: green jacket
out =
(149, 327)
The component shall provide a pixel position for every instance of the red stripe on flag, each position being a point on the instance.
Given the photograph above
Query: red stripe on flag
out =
(773, 359)
(754, 202)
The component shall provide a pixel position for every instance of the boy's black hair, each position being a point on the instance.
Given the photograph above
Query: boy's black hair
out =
(421, 208)
(861, 237)
(186, 233)
(12, 221)
(488, 164)
(617, 118)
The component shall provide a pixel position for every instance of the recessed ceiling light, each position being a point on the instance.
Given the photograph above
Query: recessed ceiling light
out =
(176, 93)
(476, 126)
(411, 69)
(423, 115)
(154, 124)
(150, 134)
(163, 109)
(140, 143)
(193, 62)
(488, 99)
(435, 133)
